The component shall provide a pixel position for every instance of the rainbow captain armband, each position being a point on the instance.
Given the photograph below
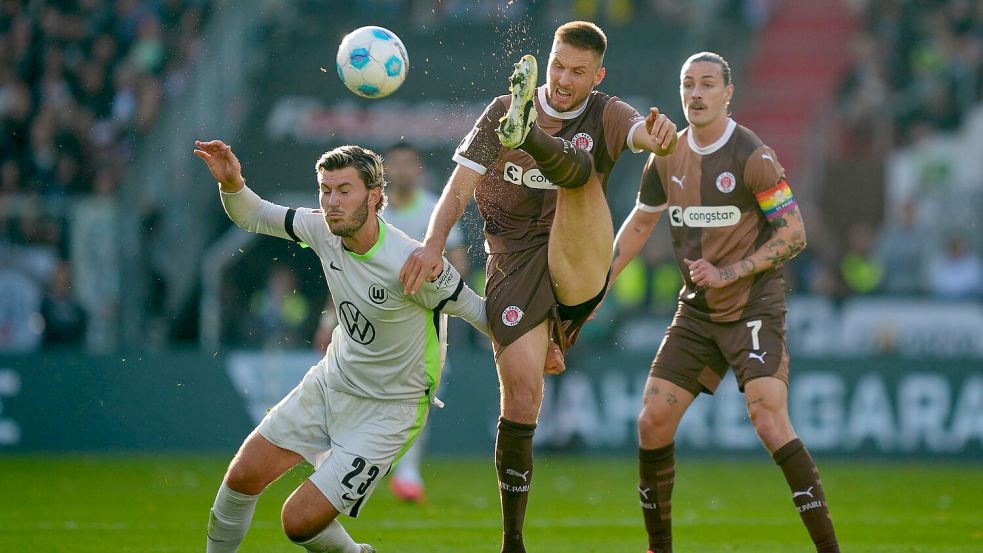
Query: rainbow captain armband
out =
(776, 201)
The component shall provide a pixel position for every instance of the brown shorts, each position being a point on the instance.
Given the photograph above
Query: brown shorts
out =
(695, 354)
(519, 296)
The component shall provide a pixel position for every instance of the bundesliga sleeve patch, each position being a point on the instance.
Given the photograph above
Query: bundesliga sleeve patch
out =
(776, 201)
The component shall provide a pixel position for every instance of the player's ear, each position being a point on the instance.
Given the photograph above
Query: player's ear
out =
(599, 76)
(375, 196)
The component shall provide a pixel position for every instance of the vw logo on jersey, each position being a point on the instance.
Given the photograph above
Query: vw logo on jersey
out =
(357, 326)
(377, 294)
(726, 182)
(511, 315)
(583, 141)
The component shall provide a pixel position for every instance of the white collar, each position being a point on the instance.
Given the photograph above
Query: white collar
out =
(572, 114)
(706, 150)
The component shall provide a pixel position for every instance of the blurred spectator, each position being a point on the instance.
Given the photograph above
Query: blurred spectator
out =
(957, 273)
(411, 203)
(278, 312)
(20, 302)
(861, 269)
(901, 251)
(80, 84)
(64, 318)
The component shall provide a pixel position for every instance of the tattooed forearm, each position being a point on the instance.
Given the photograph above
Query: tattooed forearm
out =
(747, 266)
(727, 274)
(775, 244)
(779, 222)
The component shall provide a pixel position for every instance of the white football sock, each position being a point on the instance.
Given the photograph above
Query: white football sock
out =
(333, 539)
(229, 520)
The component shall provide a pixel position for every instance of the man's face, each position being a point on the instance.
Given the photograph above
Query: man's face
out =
(403, 168)
(345, 200)
(703, 93)
(573, 73)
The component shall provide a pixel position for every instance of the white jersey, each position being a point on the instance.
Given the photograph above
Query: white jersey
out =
(414, 218)
(387, 345)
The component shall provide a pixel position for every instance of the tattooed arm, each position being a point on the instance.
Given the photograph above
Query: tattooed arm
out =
(633, 234)
(787, 241)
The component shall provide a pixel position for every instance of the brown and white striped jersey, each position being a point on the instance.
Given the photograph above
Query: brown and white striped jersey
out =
(516, 201)
(719, 199)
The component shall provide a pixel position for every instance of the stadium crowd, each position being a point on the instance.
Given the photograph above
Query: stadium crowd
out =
(81, 81)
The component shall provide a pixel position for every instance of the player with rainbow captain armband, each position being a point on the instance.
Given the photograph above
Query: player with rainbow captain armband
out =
(776, 202)
(734, 222)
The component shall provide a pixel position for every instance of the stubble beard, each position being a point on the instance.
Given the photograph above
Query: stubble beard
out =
(357, 220)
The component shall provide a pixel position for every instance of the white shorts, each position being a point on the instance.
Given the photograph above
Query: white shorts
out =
(351, 441)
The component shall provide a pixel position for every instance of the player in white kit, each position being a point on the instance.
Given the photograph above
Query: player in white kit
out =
(364, 403)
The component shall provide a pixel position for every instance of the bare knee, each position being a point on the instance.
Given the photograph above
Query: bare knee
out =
(521, 401)
(655, 427)
(772, 424)
(298, 526)
(241, 478)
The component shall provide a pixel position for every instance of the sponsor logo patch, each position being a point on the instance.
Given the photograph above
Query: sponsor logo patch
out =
(704, 216)
(512, 173)
(511, 315)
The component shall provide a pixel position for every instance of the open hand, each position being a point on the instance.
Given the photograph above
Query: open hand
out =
(222, 163)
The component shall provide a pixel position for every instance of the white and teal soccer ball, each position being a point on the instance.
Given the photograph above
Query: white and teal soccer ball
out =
(372, 62)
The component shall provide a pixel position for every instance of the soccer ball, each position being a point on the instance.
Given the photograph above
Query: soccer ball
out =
(372, 62)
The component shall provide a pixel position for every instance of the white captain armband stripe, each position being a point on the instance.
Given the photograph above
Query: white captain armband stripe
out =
(631, 132)
(477, 168)
(650, 209)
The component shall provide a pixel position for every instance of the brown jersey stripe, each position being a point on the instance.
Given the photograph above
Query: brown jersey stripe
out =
(714, 214)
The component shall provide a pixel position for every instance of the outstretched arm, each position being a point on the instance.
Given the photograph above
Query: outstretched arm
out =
(658, 135)
(469, 306)
(223, 164)
(427, 261)
(243, 206)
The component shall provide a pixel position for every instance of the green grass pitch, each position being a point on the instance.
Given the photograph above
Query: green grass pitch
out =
(125, 503)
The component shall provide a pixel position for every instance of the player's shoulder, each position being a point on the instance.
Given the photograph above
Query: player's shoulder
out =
(312, 221)
(747, 140)
(399, 244)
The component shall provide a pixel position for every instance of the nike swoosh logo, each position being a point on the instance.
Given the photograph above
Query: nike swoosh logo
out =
(347, 497)
(333, 266)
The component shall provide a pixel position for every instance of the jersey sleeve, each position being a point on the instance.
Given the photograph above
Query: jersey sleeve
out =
(481, 146)
(620, 121)
(765, 178)
(651, 192)
(431, 294)
(449, 294)
(254, 214)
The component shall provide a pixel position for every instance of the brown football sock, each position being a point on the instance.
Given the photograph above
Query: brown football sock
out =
(513, 460)
(807, 494)
(657, 472)
(564, 164)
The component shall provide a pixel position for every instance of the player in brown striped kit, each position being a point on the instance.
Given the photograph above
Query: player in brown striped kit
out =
(733, 222)
(536, 162)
